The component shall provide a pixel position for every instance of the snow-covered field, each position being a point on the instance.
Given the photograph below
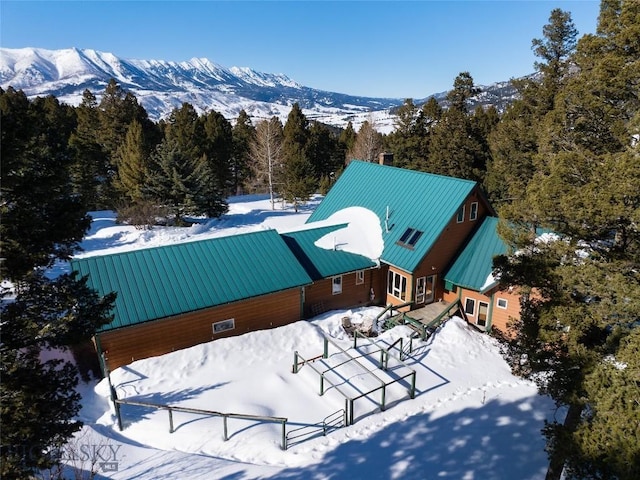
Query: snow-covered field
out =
(470, 418)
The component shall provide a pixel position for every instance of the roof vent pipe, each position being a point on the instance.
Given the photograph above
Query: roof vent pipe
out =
(386, 220)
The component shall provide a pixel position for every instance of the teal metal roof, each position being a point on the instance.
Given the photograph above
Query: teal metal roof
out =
(164, 281)
(320, 262)
(474, 265)
(421, 201)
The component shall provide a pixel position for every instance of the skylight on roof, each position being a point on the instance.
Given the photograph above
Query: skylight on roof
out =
(410, 237)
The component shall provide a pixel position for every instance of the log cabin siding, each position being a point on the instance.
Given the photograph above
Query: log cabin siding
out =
(319, 297)
(162, 336)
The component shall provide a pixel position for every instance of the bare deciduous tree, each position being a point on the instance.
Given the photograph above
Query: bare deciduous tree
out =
(266, 155)
(368, 143)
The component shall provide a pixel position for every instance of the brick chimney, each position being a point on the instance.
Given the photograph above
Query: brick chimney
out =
(385, 158)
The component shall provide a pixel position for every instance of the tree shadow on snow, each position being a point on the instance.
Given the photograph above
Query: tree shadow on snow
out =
(497, 440)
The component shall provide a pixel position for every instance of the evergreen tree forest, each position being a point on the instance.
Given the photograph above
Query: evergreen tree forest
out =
(562, 157)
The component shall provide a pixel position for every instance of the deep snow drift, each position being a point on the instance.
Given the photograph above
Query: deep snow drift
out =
(470, 418)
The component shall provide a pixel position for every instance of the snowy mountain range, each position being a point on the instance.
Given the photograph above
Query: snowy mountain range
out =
(160, 86)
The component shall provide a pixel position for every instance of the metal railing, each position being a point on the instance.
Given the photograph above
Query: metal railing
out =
(225, 416)
(337, 419)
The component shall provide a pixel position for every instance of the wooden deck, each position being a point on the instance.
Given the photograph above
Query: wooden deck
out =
(430, 312)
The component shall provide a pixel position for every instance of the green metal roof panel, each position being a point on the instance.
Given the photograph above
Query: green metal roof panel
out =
(474, 265)
(422, 201)
(321, 262)
(164, 281)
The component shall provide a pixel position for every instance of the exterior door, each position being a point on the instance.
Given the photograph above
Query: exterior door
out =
(429, 290)
(420, 287)
(483, 313)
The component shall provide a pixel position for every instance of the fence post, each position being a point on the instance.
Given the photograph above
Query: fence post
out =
(295, 362)
(351, 412)
(226, 437)
(412, 393)
(170, 420)
(284, 435)
(384, 393)
(118, 414)
(346, 412)
(322, 384)
(325, 354)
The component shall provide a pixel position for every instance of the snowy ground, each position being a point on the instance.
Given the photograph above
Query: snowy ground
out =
(470, 418)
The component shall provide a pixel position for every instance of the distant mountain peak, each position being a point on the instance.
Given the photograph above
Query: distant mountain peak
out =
(161, 86)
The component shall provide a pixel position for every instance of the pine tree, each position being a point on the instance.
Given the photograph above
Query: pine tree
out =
(90, 168)
(42, 222)
(585, 188)
(555, 50)
(463, 90)
(299, 180)
(299, 176)
(513, 144)
(409, 141)
(243, 134)
(218, 150)
(455, 148)
(39, 400)
(132, 161)
(324, 151)
(117, 110)
(175, 180)
(347, 140)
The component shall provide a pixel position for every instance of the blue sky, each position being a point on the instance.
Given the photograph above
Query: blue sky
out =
(401, 49)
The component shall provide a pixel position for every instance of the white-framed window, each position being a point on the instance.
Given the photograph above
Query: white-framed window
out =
(397, 285)
(473, 211)
(359, 277)
(224, 325)
(470, 307)
(336, 285)
(460, 217)
(502, 303)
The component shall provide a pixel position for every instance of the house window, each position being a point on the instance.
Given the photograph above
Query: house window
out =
(359, 277)
(224, 325)
(336, 285)
(460, 218)
(397, 285)
(410, 237)
(470, 306)
(502, 303)
(473, 211)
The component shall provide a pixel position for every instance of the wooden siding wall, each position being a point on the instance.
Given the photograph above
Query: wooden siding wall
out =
(499, 316)
(442, 254)
(451, 242)
(126, 345)
(390, 299)
(319, 297)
